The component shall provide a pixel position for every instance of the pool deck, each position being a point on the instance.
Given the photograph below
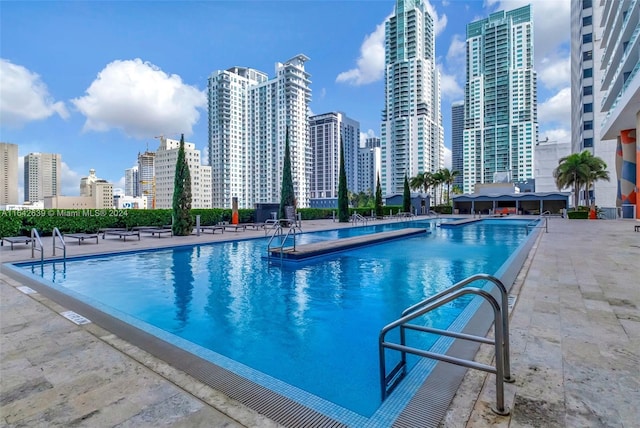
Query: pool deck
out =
(575, 346)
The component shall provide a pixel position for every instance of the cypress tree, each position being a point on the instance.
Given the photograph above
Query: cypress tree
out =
(287, 195)
(182, 221)
(379, 209)
(343, 198)
(406, 196)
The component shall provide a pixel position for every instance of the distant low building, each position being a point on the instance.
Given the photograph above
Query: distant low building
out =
(124, 202)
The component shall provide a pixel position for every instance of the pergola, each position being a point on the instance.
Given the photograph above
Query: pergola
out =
(513, 203)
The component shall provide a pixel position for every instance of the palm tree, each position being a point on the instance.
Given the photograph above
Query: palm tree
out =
(597, 171)
(437, 181)
(448, 177)
(422, 181)
(572, 170)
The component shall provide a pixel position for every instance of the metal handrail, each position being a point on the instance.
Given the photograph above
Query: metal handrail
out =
(284, 237)
(355, 218)
(534, 224)
(502, 369)
(56, 233)
(34, 236)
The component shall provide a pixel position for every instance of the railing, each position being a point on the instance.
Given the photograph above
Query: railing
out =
(58, 235)
(545, 222)
(357, 218)
(502, 369)
(284, 237)
(35, 237)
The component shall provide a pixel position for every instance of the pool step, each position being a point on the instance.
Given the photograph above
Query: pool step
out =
(305, 251)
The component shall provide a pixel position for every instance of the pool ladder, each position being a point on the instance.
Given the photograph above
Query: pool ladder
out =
(278, 231)
(56, 235)
(502, 369)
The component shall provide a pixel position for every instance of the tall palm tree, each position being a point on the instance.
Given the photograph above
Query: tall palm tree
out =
(437, 181)
(572, 170)
(597, 171)
(448, 177)
(422, 181)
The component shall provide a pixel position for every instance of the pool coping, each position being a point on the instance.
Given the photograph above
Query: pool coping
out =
(279, 408)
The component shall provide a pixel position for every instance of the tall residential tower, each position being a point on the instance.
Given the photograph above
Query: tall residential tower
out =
(8, 173)
(42, 173)
(249, 115)
(412, 136)
(326, 132)
(500, 100)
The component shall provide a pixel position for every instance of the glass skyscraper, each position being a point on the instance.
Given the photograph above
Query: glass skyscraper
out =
(412, 137)
(501, 118)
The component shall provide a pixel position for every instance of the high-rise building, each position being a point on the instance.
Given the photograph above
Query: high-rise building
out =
(500, 100)
(369, 165)
(620, 86)
(131, 181)
(147, 177)
(457, 147)
(8, 173)
(165, 169)
(42, 173)
(412, 136)
(326, 131)
(249, 115)
(586, 97)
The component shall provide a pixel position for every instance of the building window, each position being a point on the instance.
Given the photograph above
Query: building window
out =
(587, 72)
(587, 56)
(588, 125)
(587, 38)
(587, 20)
(588, 142)
(587, 108)
(587, 90)
(586, 4)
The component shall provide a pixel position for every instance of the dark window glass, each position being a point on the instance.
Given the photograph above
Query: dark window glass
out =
(587, 72)
(588, 124)
(587, 56)
(586, 4)
(587, 20)
(587, 108)
(587, 90)
(588, 142)
(587, 38)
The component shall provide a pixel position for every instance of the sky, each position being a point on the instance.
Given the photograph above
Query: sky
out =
(99, 81)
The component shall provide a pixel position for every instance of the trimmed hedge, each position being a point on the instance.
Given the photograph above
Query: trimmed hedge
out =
(579, 215)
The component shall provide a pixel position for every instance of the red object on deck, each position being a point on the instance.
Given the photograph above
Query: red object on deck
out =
(234, 217)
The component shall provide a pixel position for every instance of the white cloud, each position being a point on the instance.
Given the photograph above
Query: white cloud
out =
(141, 100)
(556, 109)
(371, 61)
(70, 181)
(24, 97)
(457, 53)
(364, 135)
(370, 64)
(560, 135)
(555, 74)
(449, 86)
(447, 157)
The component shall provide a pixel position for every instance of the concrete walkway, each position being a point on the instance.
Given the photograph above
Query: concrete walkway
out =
(575, 342)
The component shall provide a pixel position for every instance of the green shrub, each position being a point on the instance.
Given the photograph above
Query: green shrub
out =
(580, 215)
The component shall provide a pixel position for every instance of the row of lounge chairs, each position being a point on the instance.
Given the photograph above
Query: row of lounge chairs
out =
(134, 232)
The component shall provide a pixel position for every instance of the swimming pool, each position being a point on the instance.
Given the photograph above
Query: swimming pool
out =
(313, 326)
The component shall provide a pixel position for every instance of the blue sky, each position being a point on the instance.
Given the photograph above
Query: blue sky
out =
(97, 81)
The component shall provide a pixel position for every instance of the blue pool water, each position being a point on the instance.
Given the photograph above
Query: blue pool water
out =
(314, 326)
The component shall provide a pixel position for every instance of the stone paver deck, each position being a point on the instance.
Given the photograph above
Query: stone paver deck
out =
(575, 342)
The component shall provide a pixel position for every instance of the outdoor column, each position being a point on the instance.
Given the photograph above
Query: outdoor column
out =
(541, 206)
(628, 173)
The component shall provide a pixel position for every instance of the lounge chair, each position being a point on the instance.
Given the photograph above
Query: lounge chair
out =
(122, 233)
(212, 229)
(157, 231)
(81, 236)
(236, 227)
(15, 240)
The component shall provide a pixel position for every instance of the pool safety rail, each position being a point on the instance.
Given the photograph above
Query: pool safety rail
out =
(543, 222)
(358, 218)
(35, 237)
(282, 238)
(502, 369)
(63, 246)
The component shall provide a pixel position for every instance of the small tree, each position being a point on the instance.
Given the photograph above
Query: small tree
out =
(287, 195)
(182, 221)
(343, 199)
(379, 209)
(406, 196)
